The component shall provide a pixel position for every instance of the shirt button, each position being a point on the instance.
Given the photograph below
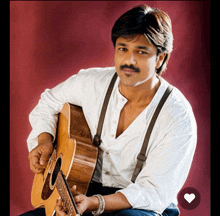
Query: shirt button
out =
(114, 122)
(112, 135)
(107, 152)
(107, 173)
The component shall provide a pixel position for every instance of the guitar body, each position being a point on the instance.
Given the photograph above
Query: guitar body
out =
(74, 152)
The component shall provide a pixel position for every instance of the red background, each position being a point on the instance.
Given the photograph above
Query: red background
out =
(50, 41)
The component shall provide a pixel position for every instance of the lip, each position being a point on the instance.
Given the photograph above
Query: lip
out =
(128, 71)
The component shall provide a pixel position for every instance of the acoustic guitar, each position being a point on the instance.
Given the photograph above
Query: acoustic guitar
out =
(72, 163)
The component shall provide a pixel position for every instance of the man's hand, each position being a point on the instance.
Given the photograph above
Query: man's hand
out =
(83, 203)
(40, 155)
(113, 202)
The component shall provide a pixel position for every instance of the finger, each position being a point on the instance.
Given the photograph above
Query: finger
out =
(59, 205)
(59, 208)
(81, 203)
(35, 169)
(34, 158)
(76, 198)
(35, 162)
(40, 156)
(81, 208)
(45, 156)
(73, 191)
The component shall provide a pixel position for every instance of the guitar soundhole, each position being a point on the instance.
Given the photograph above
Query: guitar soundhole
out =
(50, 181)
(55, 171)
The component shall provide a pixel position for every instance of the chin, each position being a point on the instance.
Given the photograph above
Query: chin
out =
(127, 83)
(126, 80)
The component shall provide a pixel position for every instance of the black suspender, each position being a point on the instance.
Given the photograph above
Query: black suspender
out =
(97, 138)
(141, 156)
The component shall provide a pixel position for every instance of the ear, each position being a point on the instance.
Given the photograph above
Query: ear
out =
(160, 59)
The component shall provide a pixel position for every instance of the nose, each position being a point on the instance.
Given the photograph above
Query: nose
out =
(130, 59)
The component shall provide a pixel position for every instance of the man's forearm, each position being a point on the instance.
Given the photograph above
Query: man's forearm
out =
(113, 202)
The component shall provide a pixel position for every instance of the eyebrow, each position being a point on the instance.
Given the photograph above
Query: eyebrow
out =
(120, 44)
(138, 47)
(143, 47)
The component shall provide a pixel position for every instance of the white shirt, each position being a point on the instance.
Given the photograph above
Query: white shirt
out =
(171, 146)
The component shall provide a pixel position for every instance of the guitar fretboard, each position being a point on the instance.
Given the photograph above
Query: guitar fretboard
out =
(63, 189)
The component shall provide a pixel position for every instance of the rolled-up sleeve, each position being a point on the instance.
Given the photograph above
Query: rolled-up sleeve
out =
(44, 117)
(166, 167)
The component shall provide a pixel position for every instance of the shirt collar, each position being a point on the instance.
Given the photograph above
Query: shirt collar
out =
(160, 91)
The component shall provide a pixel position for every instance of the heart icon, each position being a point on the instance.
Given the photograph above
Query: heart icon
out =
(189, 197)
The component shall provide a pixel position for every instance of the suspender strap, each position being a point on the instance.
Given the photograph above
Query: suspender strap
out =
(97, 138)
(141, 158)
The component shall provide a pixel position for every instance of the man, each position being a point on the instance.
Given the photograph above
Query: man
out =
(143, 42)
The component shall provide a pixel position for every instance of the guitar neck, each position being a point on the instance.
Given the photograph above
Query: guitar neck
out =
(63, 189)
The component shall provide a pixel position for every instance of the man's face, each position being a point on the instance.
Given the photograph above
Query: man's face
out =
(135, 60)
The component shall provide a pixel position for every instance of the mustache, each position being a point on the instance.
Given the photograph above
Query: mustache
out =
(130, 67)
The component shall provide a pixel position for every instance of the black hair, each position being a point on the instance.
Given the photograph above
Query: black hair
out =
(153, 23)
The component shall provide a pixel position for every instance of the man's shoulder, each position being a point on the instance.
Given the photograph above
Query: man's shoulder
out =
(97, 72)
(181, 112)
(177, 100)
(95, 80)
(178, 107)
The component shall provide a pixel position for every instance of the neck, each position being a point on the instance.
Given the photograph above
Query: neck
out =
(140, 94)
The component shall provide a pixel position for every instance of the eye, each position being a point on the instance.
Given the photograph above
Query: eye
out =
(142, 52)
(122, 49)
